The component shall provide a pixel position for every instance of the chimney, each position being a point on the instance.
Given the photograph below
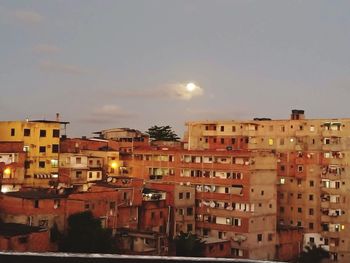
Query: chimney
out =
(297, 115)
(57, 117)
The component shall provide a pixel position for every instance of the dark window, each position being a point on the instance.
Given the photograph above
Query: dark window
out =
(112, 205)
(233, 140)
(299, 209)
(42, 149)
(188, 195)
(221, 246)
(233, 128)
(181, 195)
(36, 203)
(222, 128)
(281, 209)
(222, 140)
(311, 183)
(311, 197)
(189, 228)
(23, 240)
(270, 237)
(55, 148)
(42, 164)
(299, 196)
(42, 133)
(161, 214)
(13, 132)
(282, 167)
(26, 132)
(27, 164)
(311, 226)
(259, 237)
(311, 211)
(214, 140)
(78, 174)
(152, 215)
(56, 133)
(189, 211)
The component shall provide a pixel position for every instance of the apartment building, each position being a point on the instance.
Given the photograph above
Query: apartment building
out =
(312, 167)
(41, 144)
(234, 191)
(12, 159)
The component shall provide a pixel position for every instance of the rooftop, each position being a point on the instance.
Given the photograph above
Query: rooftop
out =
(36, 194)
(13, 229)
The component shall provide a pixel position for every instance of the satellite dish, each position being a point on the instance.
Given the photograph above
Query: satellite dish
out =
(109, 179)
(212, 204)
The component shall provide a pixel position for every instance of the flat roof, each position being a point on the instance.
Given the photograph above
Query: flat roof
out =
(35, 194)
(14, 229)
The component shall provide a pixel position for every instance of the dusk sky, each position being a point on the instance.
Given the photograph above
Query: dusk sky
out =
(105, 64)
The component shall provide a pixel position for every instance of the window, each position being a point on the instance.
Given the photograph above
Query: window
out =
(42, 133)
(300, 168)
(262, 192)
(181, 211)
(299, 210)
(56, 133)
(42, 164)
(54, 163)
(26, 132)
(13, 132)
(311, 211)
(312, 240)
(233, 140)
(282, 168)
(311, 197)
(189, 211)
(311, 183)
(188, 195)
(281, 141)
(300, 196)
(222, 140)
(153, 215)
(312, 128)
(23, 240)
(222, 128)
(259, 237)
(214, 140)
(270, 237)
(311, 226)
(221, 247)
(42, 149)
(54, 148)
(270, 141)
(189, 228)
(36, 203)
(233, 128)
(281, 209)
(90, 174)
(161, 214)
(78, 160)
(181, 195)
(78, 174)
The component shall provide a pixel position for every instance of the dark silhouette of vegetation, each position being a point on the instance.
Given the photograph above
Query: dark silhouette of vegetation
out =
(313, 254)
(86, 235)
(162, 133)
(189, 245)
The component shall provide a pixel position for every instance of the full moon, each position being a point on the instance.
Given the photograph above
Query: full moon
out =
(190, 86)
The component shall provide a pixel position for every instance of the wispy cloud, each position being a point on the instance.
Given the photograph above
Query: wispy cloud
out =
(52, 66)
(107, 114)
(179, 91)
(28, 16)
(46, 49)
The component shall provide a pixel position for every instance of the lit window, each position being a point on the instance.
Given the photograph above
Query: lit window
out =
(282, 181)
(270, 141)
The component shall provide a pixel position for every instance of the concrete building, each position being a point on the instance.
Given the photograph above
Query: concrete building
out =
(12, 160)
(312, 167)
(235, 193)
(41, 144)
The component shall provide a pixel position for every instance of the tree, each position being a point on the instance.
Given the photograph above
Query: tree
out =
(189, 245)
(86, 235)
(313, 254)
(162, 133)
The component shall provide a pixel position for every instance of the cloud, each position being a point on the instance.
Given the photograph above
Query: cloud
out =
(52, 66)
(179, 91)
(46, 49)
(28, 16)
(107, 114)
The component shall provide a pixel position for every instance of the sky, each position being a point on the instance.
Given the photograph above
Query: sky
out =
(104, 64)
